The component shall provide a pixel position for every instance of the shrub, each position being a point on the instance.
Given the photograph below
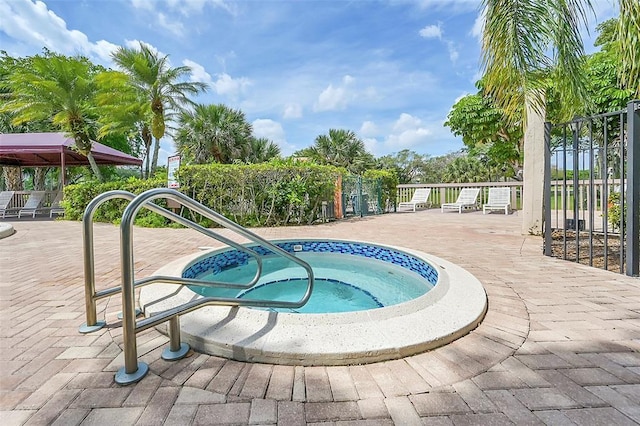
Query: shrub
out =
(388, 181)
(614, 214)
(78, 196)
(267, 194)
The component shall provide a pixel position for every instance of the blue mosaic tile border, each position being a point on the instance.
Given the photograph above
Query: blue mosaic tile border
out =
(232, 258)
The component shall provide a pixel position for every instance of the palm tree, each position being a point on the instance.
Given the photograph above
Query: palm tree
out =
(159, 84)
(466, 169)
(526, 43)
(341, 148)
(59, 89)
(517, 36)
(262, 150)
(123, 111)
(213, 133)
(628, 30)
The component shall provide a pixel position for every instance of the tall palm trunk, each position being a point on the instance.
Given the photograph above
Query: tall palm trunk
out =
(533, 171)
(94, 166)
(12, 178)
(154, 162)
(39, 175)
(148, 140)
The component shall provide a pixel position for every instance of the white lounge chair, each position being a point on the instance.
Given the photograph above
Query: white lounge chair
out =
(5, 201)
(466, 199)
(33, 204)
(499, 199)
(420, 198)
(55, 207)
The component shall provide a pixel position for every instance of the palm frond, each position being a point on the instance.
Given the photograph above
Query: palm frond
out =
(629, 37)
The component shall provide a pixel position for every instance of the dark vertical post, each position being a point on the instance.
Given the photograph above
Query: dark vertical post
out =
(592, 192)
(622, 191)
(633, 189)
(575, 128)
(359, 186)
(605, 189)
(547, 190)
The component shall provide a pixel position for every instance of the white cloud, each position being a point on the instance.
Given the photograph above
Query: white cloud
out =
(142, 4)
(272, 130)
(478, 25)
(406, 122)
(371, 144)
(458, 5)
(431, 31)
(408, 139)
(331, 98)
(103, 49)
(32, 23)
(334, 98)
(171, 24)
(186, 8)
(198, 73)
(436, 31)
(267, 128)
(368, 129)
(292, 111)
(407, 132)
(453, 51)
(227, 86)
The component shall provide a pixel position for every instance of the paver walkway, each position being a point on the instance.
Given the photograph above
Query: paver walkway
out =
(559, 345)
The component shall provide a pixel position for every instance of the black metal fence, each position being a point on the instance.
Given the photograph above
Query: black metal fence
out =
(592, 190)
(361, 196)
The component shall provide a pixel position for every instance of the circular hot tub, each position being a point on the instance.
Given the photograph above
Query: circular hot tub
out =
(370, 303)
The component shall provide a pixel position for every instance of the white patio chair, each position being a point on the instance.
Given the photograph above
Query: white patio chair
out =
(499, 199)
(420, 198)
(33, 204)
(55, 207)
(5, 201)
(467, 199)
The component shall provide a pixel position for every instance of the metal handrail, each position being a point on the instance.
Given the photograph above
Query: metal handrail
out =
(92, 296)
(134, 370)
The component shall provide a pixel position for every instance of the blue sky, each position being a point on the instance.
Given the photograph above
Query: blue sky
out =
(388, 70)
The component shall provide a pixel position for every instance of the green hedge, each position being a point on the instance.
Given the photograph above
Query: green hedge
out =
(76, 198)
(267, 194)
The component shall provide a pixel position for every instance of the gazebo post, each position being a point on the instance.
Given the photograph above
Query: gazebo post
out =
(63, 175)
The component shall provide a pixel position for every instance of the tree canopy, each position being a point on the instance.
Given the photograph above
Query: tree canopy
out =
(57, 89)
(340, 148)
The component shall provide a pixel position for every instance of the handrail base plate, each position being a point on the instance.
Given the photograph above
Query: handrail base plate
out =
(169, 355)
(124, 378)
(84, 328)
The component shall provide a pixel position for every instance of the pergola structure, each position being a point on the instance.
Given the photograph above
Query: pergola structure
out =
(55, 150)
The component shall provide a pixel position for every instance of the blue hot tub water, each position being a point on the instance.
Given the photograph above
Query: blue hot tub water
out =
(349, 276)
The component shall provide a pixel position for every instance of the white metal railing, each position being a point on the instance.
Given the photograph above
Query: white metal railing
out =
(448, 192)
(562, 192)
(134, 370)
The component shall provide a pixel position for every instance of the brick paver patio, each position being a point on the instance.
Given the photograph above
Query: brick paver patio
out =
(559, 345)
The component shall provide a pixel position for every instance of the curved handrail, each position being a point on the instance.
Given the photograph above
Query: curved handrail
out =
(91, 296)
(129, 324)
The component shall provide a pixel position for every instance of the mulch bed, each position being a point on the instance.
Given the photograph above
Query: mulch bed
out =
(562, 239)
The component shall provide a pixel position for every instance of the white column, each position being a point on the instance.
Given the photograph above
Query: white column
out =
(532, 196)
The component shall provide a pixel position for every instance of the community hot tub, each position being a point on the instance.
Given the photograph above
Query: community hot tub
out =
(404, 302)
